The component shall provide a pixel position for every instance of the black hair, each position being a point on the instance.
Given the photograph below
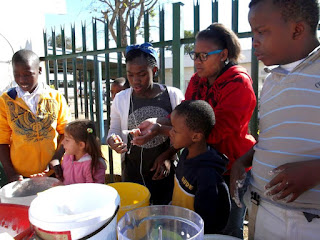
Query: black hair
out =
(84, 131)
(26, 56)
(199, 115)
(121, 81)
(297, 10)
(224, 38)
(136, 53)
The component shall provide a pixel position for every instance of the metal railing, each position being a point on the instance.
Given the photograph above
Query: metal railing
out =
(87, 68)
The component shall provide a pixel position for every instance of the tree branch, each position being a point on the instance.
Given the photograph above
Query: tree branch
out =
(140, 16)
(153, 3)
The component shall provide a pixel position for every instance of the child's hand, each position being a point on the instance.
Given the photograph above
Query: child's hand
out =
(116, 143)
(135, 132)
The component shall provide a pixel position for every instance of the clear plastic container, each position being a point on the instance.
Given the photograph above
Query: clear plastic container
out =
(160, 222)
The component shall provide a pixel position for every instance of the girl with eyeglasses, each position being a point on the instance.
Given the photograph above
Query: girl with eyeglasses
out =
(227, 87)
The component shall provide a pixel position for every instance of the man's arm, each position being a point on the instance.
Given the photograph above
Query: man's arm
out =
(12, 175)
(56, 159)
(162, 164)
(238, 173)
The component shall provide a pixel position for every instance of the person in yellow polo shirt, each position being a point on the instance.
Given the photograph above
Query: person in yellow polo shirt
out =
(32, 117)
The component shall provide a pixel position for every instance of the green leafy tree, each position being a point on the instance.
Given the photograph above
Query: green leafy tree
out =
(187, 47)
(190, 46)
(68, 42)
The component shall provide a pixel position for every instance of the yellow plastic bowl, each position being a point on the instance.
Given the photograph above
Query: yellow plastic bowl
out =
(132, 196)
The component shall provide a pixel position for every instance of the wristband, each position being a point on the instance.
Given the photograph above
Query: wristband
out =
(54, 162)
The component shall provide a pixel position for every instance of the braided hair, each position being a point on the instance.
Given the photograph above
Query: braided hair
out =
(136, 53)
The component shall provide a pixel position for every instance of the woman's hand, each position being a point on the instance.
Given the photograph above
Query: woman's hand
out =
(116, 143)
(148, 130)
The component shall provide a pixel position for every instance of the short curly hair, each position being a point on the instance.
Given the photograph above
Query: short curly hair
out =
(297, 10)
(199, 115)
(25, 56)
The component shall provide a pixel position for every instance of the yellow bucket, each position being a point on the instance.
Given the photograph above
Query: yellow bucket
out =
(132, 196)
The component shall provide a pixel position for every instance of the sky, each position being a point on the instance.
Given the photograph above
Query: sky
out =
(79, 12)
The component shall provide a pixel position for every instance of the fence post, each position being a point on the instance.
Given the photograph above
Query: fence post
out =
(234, 16)
(196, 23)
(177, 47)
(64, 65)
(255, 79)
(55, 67)
(74, 71)
(161, 40)
(98, 85)
(46, 62)
(215, 12)
(132, 30)
(119, 54)
(146, 26)
(85, 75)
(107, 76)
(98, 98)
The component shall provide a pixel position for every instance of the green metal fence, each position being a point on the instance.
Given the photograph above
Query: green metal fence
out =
(87, 68)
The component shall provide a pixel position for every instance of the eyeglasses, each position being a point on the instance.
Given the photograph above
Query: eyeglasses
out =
(203, 56)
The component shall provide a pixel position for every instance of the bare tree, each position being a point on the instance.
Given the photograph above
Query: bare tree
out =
(122, 9)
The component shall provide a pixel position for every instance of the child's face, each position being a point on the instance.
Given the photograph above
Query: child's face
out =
(214, 63)
(180, 135)
(70, 145)
(272, 36)
(26, 75)
(115, 88)
(140, 76)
